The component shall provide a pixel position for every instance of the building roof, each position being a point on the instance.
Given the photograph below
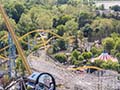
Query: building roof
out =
(105, 57)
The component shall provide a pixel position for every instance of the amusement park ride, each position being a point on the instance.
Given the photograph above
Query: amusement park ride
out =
(36, 80)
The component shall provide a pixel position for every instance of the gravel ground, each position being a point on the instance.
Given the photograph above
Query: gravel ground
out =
(68, 80)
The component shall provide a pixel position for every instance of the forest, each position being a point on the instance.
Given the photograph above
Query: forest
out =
(77, 18)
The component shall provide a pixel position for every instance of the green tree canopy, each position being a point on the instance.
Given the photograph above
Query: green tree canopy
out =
(71, 26)
(108, 44)
(15, 10)
(117, 46)
(116, 8)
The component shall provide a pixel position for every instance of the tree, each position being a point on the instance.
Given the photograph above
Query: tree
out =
(2, 33)
(117, 45)
(60, 30)
(61, 44)
(87, 30)
(94, 51)
(42, 19)
(73, 2)
(108, 44)
(118, 57)
(55, 48)
(43, 2)
(75, 43)
(116, 8)
(3, 25)
(32, 20)
(61, 20)
(87, 55)
(15, 10)
(80, 35)
(25, 24)
(71, 26)
(115, 36)
(62, 1)
(102, 28)
(84, 18)
(102, 7)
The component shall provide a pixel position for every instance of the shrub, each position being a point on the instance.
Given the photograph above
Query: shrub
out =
(98, 63)
(75, 54)
(61, 57)
(117, 46)
(77, 63)
(108, 44)
(118, 56)
(35, 48)
(72, 61)
(106, 65)
(113, 52)
(20, 66)
(94, 50)
(111, 65)
(55, 49)
(61, 44)
(87, 55)
(80, 58)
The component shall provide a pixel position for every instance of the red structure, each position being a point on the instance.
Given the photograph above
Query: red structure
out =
(105, 57)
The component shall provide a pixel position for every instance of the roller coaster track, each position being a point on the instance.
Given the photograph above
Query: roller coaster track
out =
(45, 42)
(34, 31)
(85, 67)
(40, 30)
(4, 37)
(2, 57)
(16, 41)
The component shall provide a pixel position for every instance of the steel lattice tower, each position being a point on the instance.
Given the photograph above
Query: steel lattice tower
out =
(12, 57)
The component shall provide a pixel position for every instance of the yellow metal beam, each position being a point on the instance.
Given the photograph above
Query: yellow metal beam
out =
(43, 41)
(2, 57)
(41, 30)
(4, 37)
(85, 67)
(14, 37)
(46, 42)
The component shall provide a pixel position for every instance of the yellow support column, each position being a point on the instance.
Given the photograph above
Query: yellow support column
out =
(13, 35)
